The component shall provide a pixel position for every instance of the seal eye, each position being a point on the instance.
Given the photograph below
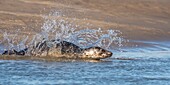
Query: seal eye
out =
(103, 51)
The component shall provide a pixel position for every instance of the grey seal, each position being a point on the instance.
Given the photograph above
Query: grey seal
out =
(62, 49)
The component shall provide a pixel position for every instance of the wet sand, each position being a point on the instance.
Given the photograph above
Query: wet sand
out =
(137, 19)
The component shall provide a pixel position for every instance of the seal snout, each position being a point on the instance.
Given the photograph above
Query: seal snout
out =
(109, 54)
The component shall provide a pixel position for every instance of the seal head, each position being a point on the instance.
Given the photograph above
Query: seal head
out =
(96, 53)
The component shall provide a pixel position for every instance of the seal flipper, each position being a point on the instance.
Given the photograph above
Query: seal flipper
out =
(14, 52)
(22, 52)
(9, 52)
(5, 52)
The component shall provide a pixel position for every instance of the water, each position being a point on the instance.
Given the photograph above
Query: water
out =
(145, 69)
(140, 65)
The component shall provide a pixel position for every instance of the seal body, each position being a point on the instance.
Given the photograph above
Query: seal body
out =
(40, 49)
(69, 50)
(64, 49)
(67, 47)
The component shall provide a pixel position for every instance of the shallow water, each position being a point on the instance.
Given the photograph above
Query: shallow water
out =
(141, 67)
